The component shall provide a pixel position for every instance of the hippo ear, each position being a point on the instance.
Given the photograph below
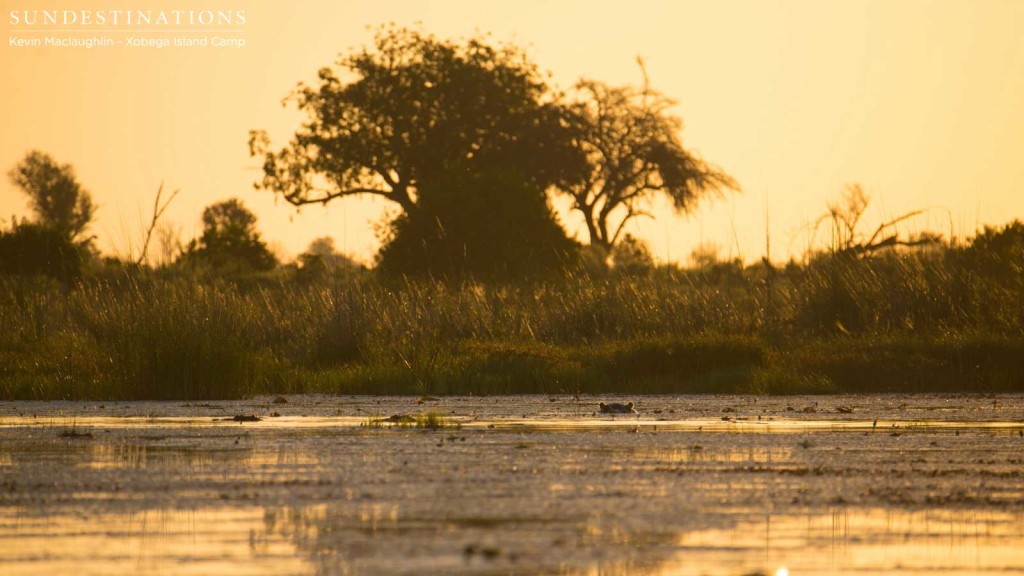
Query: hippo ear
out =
(629, 405)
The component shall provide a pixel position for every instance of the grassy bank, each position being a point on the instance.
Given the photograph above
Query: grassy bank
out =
(901, 323)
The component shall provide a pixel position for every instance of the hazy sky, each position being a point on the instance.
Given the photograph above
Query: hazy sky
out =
(920, 101)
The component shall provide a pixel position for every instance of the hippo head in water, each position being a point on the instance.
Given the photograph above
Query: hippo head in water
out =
(616, 408)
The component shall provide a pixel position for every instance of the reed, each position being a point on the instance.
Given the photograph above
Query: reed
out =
(938, 319)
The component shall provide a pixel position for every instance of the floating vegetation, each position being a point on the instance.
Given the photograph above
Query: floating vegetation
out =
(241, 418)
(427, 420)
(434, 421)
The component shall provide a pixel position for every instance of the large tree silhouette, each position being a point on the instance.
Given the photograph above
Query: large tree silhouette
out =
(631, 152)
(431, 124)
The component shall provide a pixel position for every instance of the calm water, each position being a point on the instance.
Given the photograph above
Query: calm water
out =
(692, 485)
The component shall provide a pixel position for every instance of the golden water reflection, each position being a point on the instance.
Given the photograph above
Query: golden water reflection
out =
(326, 539)
(864, 541)
(281, 499)
(125, 455)
(161, 541)
(773, 424)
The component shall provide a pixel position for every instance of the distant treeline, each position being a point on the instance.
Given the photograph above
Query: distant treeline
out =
(931, 318)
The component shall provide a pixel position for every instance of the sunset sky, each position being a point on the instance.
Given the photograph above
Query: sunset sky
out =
(920, 101)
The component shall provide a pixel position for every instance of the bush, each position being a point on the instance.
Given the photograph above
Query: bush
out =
(33, 249)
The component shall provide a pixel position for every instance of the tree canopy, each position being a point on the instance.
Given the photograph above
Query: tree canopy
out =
(58, 200)
(631, 151)
(434, 126)
(230, 241)
(322, 260)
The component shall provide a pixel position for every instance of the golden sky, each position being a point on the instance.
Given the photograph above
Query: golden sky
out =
(917, 100)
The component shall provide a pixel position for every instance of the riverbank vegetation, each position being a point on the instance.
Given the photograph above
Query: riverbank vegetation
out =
(943, 318)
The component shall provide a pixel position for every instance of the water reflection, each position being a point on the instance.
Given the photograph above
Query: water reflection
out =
(865, 541)
(376, 539)
(550, 423)
(126, 454)
(506, 500)
(149, 541)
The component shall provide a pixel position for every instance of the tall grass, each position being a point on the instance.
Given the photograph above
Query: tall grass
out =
(918, 321)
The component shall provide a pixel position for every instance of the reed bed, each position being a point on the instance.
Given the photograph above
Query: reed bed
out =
(928, 320)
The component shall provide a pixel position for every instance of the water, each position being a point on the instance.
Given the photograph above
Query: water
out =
(524, 485)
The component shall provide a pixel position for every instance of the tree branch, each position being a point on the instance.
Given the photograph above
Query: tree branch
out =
(890, 242)
(892, 223)
(158, 211)
(630, 214)
(297, 199)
